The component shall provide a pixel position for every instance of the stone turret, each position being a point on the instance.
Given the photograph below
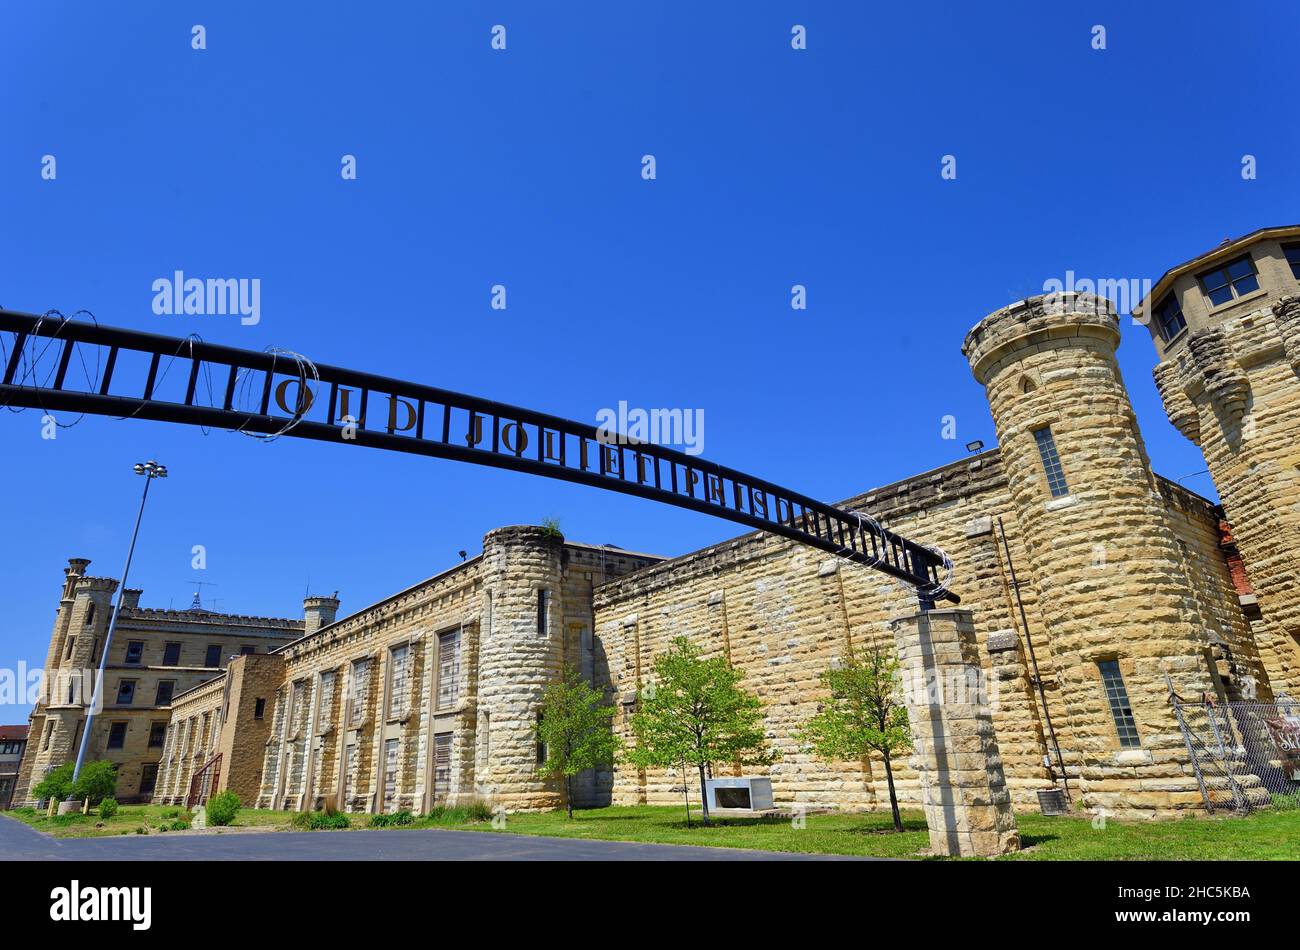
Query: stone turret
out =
(520, 653)
(1228, 379)
(1101, 555)
(319, 612)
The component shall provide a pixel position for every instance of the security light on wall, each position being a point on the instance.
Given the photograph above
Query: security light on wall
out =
(975, 446)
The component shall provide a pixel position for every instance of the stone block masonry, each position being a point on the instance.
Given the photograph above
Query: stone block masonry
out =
(954, 749)
(1103, 552)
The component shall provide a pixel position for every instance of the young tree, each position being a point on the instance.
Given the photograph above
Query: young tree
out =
(576, 727)
(56, 784)
(98, 780)
(697, 713)
(864, 714)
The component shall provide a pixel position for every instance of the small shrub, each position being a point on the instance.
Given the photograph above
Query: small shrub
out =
(320, 821)
(170, 812)
(223, 808)
(394, 820)
(108, 808)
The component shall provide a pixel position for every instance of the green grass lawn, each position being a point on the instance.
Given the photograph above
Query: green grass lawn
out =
(1268, 835)
(1261, 836)
(130, 818)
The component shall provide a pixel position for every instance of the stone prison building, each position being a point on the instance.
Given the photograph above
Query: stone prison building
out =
(1125, 585)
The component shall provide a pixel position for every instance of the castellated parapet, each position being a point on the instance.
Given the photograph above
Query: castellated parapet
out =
(1101, 554)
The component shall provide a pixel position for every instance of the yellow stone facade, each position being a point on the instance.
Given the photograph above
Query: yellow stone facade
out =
(1091, 587)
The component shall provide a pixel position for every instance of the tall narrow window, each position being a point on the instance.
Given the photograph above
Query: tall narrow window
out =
(72, 644)
(134, 651)
(543, 611)
(360, 688)
(541, 746)
(148, 778)
(1169, 317)
(1292, 252)
(163, 696)
(90, 614)
(1120, 710)
(126, 692)
(399, 681)
(157, 733)
(390, 775)
(441, 765)
(213, 656)
(350, 760)
(117, 735)
(448, 668)
(1051, 462)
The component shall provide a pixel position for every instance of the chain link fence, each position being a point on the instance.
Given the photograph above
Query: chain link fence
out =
(1246, 754)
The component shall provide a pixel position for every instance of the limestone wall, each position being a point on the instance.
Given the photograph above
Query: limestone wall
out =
(1103, 554)
(1232, 389)
(783, 613)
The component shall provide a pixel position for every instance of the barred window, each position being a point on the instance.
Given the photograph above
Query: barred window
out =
(325, 707)
(390, 775)
(399, 681)
(360, 690)
(441, 763)
(448, 668)
(1234, 279)
(1051, 462)
(1120, 710)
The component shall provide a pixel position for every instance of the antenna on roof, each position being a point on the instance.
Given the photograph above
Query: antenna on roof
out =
(198, 601)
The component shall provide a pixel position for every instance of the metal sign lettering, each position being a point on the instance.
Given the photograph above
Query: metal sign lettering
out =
(277, 393)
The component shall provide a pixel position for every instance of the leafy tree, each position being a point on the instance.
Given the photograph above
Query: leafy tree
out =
(576, 727)
(697, 713)
(97, 781)
(864, 714)
(56, 785)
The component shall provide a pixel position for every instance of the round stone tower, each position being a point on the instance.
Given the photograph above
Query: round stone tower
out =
(1101, 553)
(520, 654)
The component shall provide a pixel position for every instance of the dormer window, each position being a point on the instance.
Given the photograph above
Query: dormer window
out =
(1235, 279)
(1169, 318)
(1292, 252)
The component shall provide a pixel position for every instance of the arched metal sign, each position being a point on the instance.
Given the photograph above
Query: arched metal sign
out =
(277, 393)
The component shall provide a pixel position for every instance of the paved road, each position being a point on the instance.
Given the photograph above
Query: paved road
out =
(19, 842)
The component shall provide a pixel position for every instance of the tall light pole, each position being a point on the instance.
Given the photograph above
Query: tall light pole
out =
(150, 470)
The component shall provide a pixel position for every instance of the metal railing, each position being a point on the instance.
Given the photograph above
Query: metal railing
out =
(203, 784)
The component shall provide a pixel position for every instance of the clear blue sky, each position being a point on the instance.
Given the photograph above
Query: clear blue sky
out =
(522, 167)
